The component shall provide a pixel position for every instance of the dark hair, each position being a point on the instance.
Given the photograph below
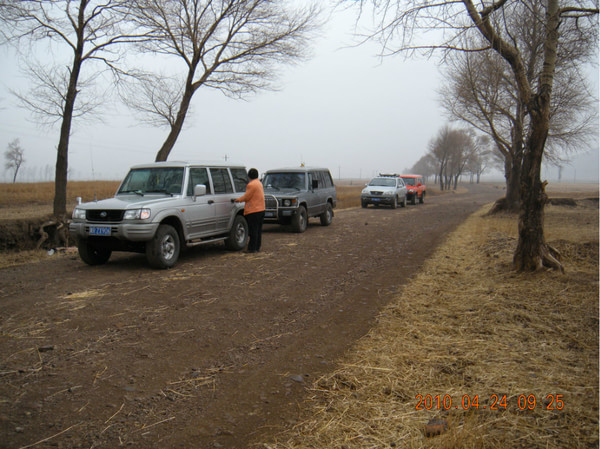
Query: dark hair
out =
(253, 173)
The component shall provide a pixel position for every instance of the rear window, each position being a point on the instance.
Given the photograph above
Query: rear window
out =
(409, 181)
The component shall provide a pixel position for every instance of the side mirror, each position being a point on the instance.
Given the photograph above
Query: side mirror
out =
(419, 185)
(199, 190)
(315, 184)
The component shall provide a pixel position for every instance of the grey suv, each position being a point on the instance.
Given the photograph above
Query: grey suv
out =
(292, 195)
(159, 208)
(384, 189)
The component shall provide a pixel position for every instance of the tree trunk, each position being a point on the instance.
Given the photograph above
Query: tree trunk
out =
(176, 127)
(533, 253)
(62, 151)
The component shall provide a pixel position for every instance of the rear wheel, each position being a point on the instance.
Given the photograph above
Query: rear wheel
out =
(327, 216)
(300, 220)
(163, 250)
(92, 252)
(238, 235)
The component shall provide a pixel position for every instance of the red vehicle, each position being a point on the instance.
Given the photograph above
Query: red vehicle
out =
(415, 187)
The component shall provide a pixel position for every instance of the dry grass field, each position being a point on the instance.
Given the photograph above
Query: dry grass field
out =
(471, 354)
(31, 200)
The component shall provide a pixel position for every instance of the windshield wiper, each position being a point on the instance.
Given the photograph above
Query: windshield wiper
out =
(166, 192)
(137, 192)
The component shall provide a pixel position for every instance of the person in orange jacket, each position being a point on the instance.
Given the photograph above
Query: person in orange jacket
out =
(254, 209)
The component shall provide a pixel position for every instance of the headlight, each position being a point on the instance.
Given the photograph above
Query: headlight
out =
(288, 202)
(137, 214)
(78, 214)
(388, 193)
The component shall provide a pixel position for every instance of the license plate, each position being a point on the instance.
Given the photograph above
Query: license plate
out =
(100, 230)
(376, 199)
(269, 214)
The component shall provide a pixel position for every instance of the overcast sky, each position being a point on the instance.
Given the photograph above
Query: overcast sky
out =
(344, 108)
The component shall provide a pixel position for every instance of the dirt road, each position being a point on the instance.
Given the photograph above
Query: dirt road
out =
(215, 353)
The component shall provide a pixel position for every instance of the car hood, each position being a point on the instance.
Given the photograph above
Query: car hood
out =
(126, 202)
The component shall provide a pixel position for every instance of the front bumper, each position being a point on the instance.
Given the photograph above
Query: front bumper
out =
(377, 199)
(131, 232)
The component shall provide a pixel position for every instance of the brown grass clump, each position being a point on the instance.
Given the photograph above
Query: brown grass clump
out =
(469, 327)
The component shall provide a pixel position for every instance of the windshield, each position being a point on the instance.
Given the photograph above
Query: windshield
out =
(140, 181)
(384, 182)
(409, 181)
(285, 181)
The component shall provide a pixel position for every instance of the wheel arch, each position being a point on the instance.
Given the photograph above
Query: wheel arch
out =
(176, 223)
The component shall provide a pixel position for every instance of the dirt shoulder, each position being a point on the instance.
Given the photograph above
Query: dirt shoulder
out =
(217, 352)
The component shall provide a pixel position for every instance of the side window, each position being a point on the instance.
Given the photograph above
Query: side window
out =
(327, 182)
(240, 179)
(198, 176)
(221, 180)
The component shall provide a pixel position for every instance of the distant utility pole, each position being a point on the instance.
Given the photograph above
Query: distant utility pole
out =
(226, 157)
(339, 172)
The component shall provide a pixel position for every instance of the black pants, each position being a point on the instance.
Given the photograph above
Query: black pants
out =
(255, 222)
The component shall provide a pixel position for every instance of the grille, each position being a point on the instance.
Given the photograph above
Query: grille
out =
(376, 193)
(104, 215)
(270, 202)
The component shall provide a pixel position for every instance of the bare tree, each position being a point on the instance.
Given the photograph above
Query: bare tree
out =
(425, 166)
(14, 156)
(229, 45)
(401, 23)
(481, 91)
(451, 149)
(90, 31)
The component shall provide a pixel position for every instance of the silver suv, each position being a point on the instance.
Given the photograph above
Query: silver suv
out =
(292, 195)
(159, 208)
(384, 189)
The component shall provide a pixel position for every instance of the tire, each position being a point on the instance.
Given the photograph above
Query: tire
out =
(403, 204)
(422, 199)
(327, 216)
(364, 204)
(395, 203)
(300, 220)
(238, 234)
(163, 250)
(413, 200)
(93, 253)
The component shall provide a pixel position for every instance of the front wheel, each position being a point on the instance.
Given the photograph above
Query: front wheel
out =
(300, 220)
(395, 202)
(403, 202)
(163, 250)
(422, 199)
(238, 234)
(327, 216)
(93, 253)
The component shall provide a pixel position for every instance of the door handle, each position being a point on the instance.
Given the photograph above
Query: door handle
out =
(210, 202)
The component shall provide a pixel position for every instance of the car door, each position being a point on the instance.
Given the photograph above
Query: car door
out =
(200, 211)
(223, 189)
(312, 197)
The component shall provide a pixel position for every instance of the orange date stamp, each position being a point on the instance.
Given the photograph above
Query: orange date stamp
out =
(492, 402)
